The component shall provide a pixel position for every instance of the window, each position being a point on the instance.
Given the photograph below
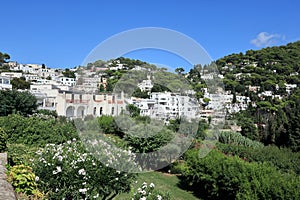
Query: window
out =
(101, 109)
(113, 98)
(112, 110)
(95, 109)
(104, 97)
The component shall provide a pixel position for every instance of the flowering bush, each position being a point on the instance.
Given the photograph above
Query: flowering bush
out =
(148, 192)
(69, 171)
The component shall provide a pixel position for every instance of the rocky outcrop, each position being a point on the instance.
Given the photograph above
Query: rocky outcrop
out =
(6, 190)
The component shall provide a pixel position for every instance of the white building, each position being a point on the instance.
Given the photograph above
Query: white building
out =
(31, 77)
(5, 83)
(12, 75)
(146, 85)
(67, 81)
(167, 105)
(77, 105)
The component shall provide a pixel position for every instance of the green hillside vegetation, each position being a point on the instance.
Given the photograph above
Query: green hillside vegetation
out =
(271, 69)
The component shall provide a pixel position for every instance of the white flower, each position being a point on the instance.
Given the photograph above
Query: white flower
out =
(117, 178)
(58, 169)
(144, 185)
(60, 158)
(37, 179)
(82, 172)
(152, 185)
(143, 198)
(95, 197)
(83, 190)
(159, 197)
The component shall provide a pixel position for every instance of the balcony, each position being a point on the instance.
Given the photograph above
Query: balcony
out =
(77, 101)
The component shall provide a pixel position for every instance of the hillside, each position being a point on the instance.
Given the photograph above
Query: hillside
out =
(270, 77)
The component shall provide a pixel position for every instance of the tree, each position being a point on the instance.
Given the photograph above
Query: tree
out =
(20, 83)
(234, 97)
(133, 110)
(140, 94)
(101, 88)
(108, 125)
(179, 70)
(68, 73)
(159, 88)
(3, 58)
(249, 130)
(12, 101)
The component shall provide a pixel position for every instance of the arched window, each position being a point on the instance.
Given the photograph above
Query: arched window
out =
(95, 109)
(101, 110)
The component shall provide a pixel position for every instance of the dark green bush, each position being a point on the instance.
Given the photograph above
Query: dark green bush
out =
(36, 130)
(283, 159)
(20, 154)
(3, 139)
(226, 177)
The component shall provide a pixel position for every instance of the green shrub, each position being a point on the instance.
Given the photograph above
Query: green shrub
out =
(37, 130)
(18, 154)
(3, 140)
(283, 159)
(226, 177)
(229, 137)
(24, 180)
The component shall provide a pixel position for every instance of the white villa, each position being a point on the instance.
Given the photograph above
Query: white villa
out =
(77, 105)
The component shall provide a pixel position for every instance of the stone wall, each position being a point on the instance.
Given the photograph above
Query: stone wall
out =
(6, 190)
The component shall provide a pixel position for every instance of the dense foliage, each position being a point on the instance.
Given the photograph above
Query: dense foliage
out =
(36, 130)
(275, 124)
(3, 140)
(282, 159)
(20, 83)
(15, 102)
(224, 177)
(235, 138)
(271, 119)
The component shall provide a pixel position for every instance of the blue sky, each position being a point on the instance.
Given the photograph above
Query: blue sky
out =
(62, 33)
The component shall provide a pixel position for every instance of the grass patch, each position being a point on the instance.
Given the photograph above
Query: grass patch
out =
(163, 182)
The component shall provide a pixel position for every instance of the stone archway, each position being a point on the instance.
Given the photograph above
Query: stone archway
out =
(70, 111)
(80, 112)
